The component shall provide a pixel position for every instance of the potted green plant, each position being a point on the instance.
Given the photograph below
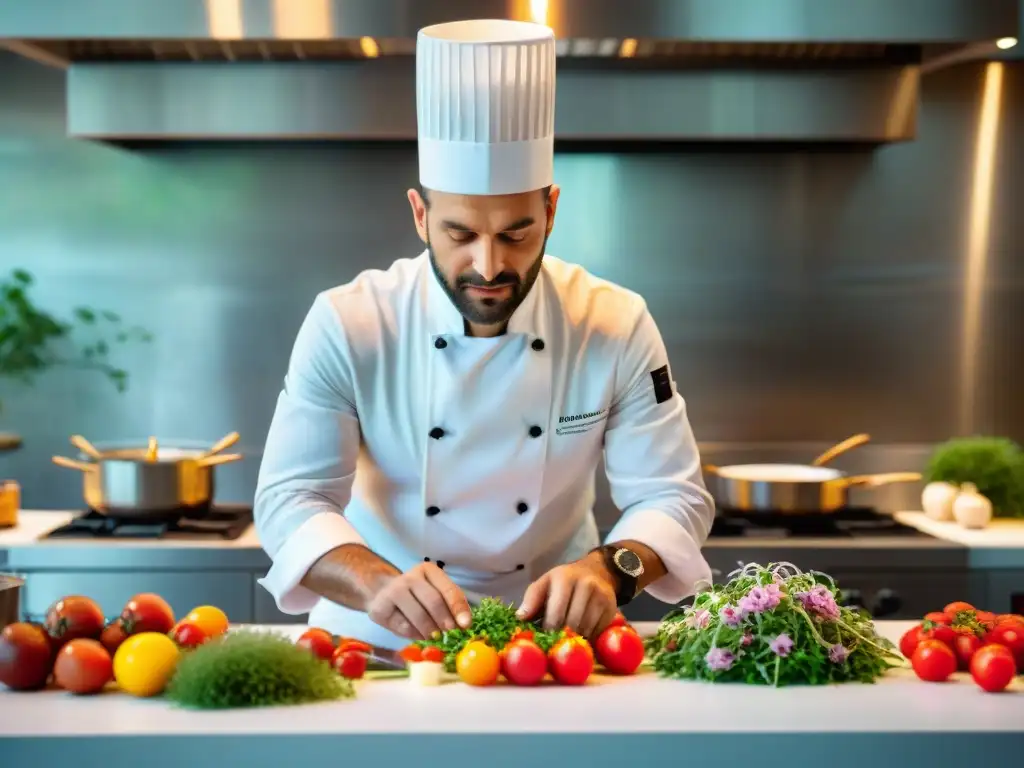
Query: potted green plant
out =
(33, 341)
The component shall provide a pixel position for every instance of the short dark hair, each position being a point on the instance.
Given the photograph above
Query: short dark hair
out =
(425, 194)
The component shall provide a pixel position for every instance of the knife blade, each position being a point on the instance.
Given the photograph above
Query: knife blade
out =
(384, 659)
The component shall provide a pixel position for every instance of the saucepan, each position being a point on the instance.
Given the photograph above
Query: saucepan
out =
(796, 489)
(149, 482)
(10, 594)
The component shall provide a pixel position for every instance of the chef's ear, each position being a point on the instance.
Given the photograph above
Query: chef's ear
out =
(551, 206)
(419, 213)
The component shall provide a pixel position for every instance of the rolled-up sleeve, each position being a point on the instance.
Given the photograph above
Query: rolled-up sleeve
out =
(309, 462)
(653, 466)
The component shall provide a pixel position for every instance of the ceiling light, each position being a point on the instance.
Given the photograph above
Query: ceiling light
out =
(1006, 42)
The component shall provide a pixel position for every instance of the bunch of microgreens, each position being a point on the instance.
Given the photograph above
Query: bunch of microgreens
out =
(494, 622)
(771, 625)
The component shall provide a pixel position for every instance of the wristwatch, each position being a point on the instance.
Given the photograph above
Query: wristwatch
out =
(627, 567)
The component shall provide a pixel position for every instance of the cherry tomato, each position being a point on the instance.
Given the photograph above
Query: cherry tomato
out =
(26, 656)
(965, 646)
(113, 635)
(957, 607)
(938, 617)
(909, 641)
(319, 642)
(943, 634)
(571, 660)
(986, 618)
(354, 645)
(188, 635)
(619, 621)
(478, 664)
(147, 612)
(620, 650)
(1012, 637)
(350, 664)
(74, 617)
(521, 634)
(993, 667)
(432, 653)
(524, 663)
(411, 654)
(1009, 618)
(209, 618)
(83, 666)
(933, 661)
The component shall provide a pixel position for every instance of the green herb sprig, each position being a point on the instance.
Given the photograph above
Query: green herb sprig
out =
(253, 669)
(771, 625)
(994, 465)
(493, 622)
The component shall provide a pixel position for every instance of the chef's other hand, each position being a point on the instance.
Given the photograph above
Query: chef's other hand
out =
(419, 602)
(577, 595)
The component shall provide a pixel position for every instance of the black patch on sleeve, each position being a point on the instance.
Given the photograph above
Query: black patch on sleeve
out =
(662, 384)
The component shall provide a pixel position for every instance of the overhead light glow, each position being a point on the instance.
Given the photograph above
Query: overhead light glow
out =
(1006, 42)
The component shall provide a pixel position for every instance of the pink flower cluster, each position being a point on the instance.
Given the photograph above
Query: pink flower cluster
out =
(838, 653)
(698, 619)
(731, 616)
(781, 645)
(820, 602)
(719, 659)
(761, 599)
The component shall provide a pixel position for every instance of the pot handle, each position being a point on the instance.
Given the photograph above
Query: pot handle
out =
(711, 469)
(84, 466)
(848, 444)
(221, 458)
(224, 443)
(873, 481)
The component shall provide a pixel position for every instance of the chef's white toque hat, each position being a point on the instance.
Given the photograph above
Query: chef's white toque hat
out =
(485, 99)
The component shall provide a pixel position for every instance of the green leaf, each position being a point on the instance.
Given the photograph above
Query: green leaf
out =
(22, 277)
(86, 315)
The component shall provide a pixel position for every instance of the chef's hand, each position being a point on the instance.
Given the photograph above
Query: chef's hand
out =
(579, 595)
(419, 602)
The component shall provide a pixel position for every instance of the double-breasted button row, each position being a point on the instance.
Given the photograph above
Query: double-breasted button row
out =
(522, 508)
(537, 344)
(438, 563)
(438, 432)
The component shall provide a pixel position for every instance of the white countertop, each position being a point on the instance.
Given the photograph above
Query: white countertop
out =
(999, 534)
(899, 703)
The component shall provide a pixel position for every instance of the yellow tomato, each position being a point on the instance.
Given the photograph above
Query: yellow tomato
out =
(213, 621)
(144, 663)
(478, 663)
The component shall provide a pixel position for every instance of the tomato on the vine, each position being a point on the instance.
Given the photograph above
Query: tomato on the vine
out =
(993, 667)
(933, 661)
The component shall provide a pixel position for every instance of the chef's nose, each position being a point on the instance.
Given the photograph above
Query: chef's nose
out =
(486, 259)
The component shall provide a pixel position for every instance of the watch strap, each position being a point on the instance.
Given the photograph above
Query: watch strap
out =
(626, 583)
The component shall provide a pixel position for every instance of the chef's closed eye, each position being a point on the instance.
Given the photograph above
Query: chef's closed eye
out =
(461, 235)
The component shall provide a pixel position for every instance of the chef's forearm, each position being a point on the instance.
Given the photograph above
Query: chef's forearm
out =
(654, 568)
(350, 575)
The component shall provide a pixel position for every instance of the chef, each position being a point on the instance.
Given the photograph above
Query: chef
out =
(442, 418)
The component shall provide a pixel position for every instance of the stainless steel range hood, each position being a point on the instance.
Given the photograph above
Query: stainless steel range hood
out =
(677, 70)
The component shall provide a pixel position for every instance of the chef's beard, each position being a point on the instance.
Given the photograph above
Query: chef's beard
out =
(487, 311)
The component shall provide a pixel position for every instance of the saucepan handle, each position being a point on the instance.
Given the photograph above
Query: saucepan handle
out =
(220, 458)
(710, 469)
(84, 466)
(885, 478)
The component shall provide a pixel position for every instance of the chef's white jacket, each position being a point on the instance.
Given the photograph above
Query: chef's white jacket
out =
(396, 430)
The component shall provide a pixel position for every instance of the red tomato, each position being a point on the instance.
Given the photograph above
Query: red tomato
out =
(943, 634)
(432, 653)
(571, 661)
(188, 635)
(909, 641)
(619, 621)
(83, 666)
(620, 650)
(26, 656)
(411, 654)
(987, 618)
(1012, 637)
(993, 667)
(113, 635)
(956, 607)
(524, 663)
(1009, 618)
(319, 642)
(522, 634)
(354, 645)
(147, 612)
(933, 661)
(965, 646)
(74, 617)
(939, 617)
(350, 664)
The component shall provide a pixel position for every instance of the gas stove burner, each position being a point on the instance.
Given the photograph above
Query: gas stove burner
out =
(221, 521)
(853, 522)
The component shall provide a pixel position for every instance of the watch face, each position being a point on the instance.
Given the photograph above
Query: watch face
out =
(629, 562)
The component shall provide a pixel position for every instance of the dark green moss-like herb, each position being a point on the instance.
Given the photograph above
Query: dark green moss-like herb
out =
(253, 669)
(771, 625)
(495, 623)
(995, 466)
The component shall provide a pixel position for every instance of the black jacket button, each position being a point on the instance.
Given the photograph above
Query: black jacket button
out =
(437, 433)
(520, 567)
(440, 343)
(536, 431)
(431, 511)
(440, 564)
(426, 559)
(538, 345)
(522, 507)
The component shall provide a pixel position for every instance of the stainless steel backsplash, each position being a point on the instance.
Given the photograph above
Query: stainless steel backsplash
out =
(804, 294)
